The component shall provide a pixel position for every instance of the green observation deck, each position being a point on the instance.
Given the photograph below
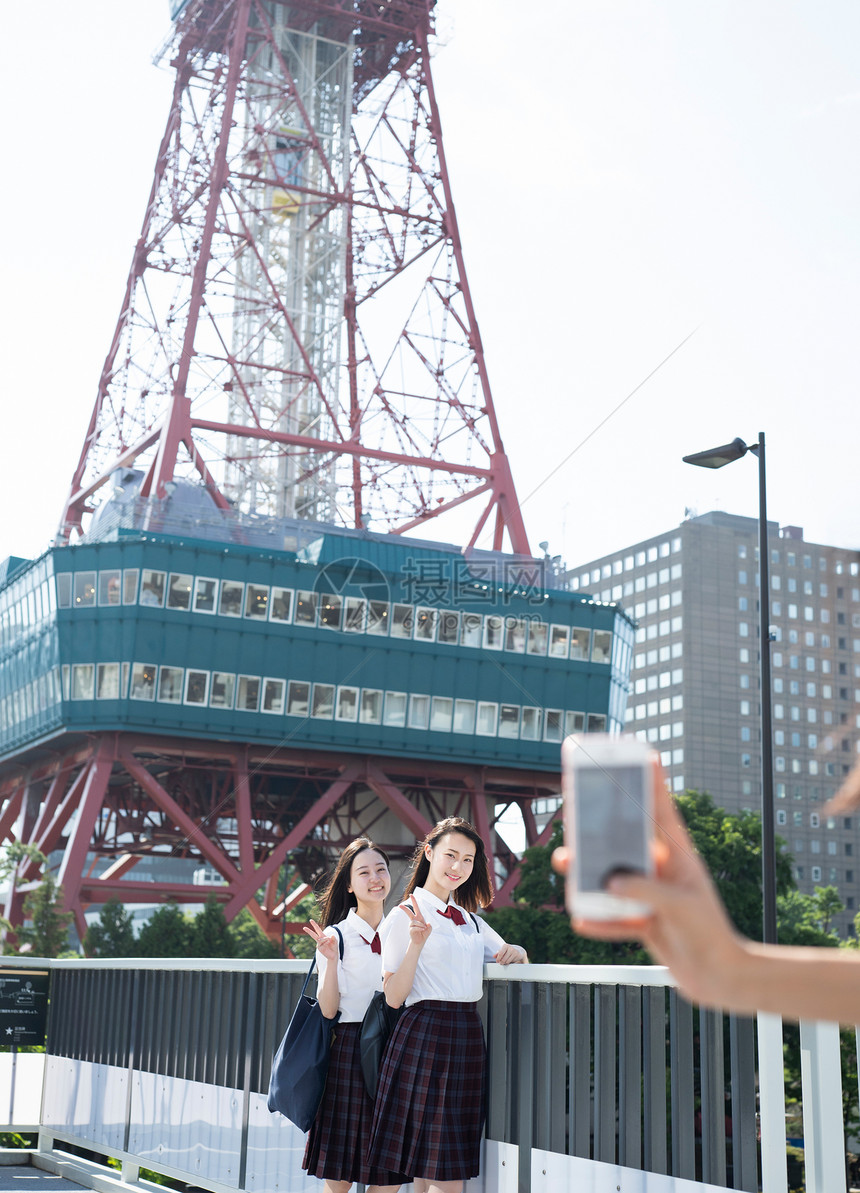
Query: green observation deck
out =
(344, 640)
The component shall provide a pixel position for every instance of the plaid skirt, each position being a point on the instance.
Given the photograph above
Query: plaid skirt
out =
(430, 1106)
(336, 1149)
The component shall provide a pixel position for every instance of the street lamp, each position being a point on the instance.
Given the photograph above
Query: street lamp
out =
(717, 457)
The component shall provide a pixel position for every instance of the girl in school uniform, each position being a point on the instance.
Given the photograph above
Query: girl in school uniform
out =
(353, 900)
(430, 1105)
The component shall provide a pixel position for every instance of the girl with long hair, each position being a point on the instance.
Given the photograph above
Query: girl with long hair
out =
(431, 1101)
(354, 902)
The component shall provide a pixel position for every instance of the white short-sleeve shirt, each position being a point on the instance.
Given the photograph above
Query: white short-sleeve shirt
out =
(359, 974)
(451, 965)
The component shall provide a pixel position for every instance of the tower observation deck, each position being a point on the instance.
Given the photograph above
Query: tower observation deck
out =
(239, 652)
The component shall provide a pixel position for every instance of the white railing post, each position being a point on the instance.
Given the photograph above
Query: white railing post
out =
(823, 1129)
(771, 1079)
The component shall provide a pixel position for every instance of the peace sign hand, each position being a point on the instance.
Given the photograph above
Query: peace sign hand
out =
(326, 945)
(419, 929)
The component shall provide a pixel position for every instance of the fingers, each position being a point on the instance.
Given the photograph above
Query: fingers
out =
(412, 911)
(561, 859)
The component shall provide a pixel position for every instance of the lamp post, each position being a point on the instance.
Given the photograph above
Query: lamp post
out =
(717, 457)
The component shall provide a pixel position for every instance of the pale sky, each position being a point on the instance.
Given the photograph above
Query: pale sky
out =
(625, 172)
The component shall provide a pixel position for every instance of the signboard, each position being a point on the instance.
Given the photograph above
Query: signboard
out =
(23, 1006)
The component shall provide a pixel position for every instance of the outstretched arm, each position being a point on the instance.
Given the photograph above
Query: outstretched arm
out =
(690, 932)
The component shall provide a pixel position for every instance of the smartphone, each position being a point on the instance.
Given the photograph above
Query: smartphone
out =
(608, 789)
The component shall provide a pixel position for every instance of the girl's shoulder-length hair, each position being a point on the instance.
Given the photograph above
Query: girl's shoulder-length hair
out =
(477, 891)
(336, 900)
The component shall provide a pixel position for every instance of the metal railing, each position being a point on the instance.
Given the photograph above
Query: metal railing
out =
(597, 1072)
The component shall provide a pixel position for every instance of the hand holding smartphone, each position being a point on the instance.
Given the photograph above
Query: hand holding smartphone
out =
(608, 787)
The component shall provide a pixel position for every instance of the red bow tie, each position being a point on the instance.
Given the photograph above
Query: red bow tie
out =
(453, 914)
(375, 944)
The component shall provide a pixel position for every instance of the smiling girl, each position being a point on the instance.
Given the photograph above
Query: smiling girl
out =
(430, 1107)
(354, 901)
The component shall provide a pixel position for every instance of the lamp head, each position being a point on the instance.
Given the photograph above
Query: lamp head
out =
(717, 457)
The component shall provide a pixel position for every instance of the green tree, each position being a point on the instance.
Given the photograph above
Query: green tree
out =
(730, 845)
(210, 935)
(167, 934)
(249, 940)
(828, 905)
(47, 933)
(112, 934)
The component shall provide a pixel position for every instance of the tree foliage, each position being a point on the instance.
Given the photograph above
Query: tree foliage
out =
(47, 933)
(112, 935)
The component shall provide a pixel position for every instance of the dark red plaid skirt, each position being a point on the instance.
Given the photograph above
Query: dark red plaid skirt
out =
(430, 1107)
(336, 1149)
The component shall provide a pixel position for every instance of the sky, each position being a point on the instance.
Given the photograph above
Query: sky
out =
(659, 203)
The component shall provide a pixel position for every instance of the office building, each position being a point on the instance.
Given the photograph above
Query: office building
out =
(695, 690)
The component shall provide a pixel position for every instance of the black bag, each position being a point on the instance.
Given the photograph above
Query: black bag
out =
(300, 1065)
(376, 1026)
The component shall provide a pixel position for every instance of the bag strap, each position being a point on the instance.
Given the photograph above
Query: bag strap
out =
(314, 961)
(474, 919)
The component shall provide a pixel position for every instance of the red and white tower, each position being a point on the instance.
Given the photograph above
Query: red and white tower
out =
(297, 333)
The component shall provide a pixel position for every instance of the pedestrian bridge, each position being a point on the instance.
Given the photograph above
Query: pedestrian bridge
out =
(601, 1079)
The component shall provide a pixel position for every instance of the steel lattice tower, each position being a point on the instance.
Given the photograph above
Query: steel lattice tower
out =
(235, 655)
(297, 332)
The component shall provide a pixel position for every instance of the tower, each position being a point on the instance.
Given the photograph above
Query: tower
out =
(237, 653)
(297, 333)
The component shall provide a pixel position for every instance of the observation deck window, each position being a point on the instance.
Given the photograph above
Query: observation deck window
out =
(82, 681)
(449, 627)
(509, 720)
(354, 615)
(531, 724)
(273, 695)
(143, 681)
(85, 589)
(248, 693)
(553, 725)
(322, 704)
(306, 607)
(419, 712)
(205, 594)
(596, 722)
(401, 621)
(257, 601)
(538, 635)
(441, 714)
(107, 681)
(464, 716)
(347, 704)
(170, 685)
(471, 630)
(64, 590)
(488, 715)
(230, 604)
(493, 632)
(371, 706)
(580, 642)
(298, 698)
(601, 650)
(281, 604)
(377, 617)
(515, 635)
(179, 589)
(196, 686)
(425, 625)
(559, 642)
(331, 608)
(152, 588)
(221, 690)
(110, 588)
(395, 709)
(129, 586)
(574, 722)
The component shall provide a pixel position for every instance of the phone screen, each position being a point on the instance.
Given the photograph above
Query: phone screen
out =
(611, 829)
